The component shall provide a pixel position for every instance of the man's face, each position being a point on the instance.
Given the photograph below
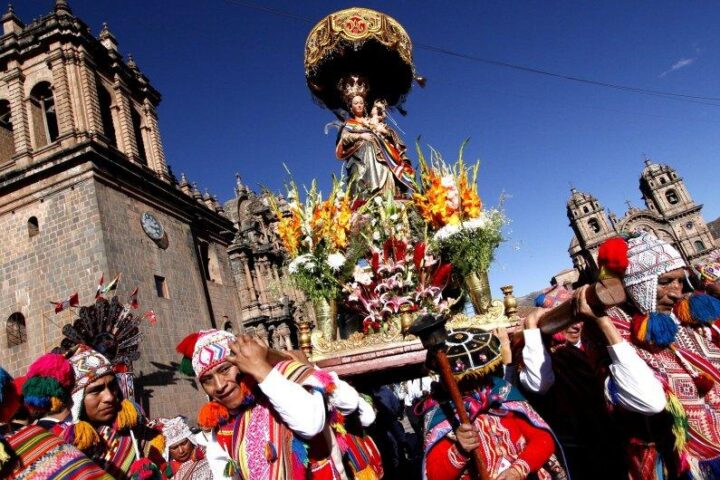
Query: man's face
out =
(181, 452)
(573, 333)
(102, 400)
(221, 384)
(669, 289)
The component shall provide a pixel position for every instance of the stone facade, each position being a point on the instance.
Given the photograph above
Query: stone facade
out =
(670, 213)
(81, 161)
(271, 306)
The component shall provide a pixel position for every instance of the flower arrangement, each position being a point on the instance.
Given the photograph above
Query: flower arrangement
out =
(463, 232)
(316, 234)
(399, 277)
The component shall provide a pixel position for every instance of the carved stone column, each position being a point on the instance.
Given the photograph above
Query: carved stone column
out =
(61, 93)
(125, 134)
(155, 150)
(19, 115)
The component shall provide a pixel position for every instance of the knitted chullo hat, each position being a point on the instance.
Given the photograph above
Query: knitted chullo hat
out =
(50, 380)
(88, 365)
(175, 431)
(648, 258)
(204, 350)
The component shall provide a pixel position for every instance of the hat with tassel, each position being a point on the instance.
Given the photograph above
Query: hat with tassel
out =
(48, 386)
(204, 350)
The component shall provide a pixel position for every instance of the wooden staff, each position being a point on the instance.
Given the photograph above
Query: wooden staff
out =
(600, 295)
(433, 334)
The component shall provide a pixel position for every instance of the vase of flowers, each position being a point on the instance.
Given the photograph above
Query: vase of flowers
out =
(465, 234)
(316, 234)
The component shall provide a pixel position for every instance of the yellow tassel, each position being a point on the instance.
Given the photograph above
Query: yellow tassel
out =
(4, 457)
(85, 436)
(56, 405)
(127, 416)
(605, 274)
(158, 443)
(642, 331)
(680, 422)
(366, 473)
(339, 428)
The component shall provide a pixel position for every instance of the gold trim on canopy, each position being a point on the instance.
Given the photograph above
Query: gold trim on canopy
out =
(355, 25)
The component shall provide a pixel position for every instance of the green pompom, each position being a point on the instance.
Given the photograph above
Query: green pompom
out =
(186, 367)
(42, 387)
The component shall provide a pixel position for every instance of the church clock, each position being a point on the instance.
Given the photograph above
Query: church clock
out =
(152, 226)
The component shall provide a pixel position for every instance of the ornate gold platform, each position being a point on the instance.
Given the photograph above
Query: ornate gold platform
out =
(393, 355)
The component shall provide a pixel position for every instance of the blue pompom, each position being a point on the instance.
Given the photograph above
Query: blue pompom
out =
(661, 329)
(704, 309)
(540, 300)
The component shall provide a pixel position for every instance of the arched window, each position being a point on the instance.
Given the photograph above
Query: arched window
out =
(663, 181)
(671, 196)
(7, 142)
(105, 100)
(594, 225)
(33, 226)
(137, 132)
(585, 209)
(15, 330)
(44, 119)
(699, 246)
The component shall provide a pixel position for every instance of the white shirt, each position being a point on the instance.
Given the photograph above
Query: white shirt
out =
(636, 387)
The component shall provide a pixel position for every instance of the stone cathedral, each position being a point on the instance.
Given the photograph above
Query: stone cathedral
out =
(670, 213)
(85, 190)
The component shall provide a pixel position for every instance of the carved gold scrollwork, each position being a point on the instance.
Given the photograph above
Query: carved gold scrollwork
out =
(355, 25)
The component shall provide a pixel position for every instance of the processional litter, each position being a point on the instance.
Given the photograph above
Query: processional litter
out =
(395, 238)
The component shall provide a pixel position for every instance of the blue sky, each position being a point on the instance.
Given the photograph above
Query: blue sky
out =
(235, 100)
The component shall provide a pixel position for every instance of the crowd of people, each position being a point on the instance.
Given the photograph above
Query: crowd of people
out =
(628, 392)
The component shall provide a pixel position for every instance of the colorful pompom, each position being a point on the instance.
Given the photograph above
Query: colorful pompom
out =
(128, 415)
(212, 415)
(703, 382)
(38, 393)
(53, 365)
(270, 452)
(82, 435)
(540, 300)
(655, 329)
(231, 467)
(158, 443)
(186, 367)
(144, 469)
(186, 347)
(612, 256)
(300, 455)
(705, 309)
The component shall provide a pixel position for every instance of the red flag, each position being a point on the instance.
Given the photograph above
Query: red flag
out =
(101, 283)
(72, 301)
(150, 315)
(133, 299)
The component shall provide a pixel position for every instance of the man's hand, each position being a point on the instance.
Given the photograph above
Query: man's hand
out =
(531, 321)
(581, 307)
(249, 355)
(505, 350)
(468, 437)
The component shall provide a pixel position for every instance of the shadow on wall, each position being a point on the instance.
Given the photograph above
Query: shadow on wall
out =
(165, 374)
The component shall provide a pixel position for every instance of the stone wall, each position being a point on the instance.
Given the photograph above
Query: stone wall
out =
(67, 255)
(161, 389)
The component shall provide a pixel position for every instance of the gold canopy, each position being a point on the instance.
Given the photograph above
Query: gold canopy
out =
(355, 25)
(363, 42)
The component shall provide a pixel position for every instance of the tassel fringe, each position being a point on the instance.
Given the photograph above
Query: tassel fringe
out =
(128, 416)
(680, 421)
(212, 415)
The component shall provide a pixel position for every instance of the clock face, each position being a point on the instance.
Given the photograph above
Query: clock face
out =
(152, 226)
